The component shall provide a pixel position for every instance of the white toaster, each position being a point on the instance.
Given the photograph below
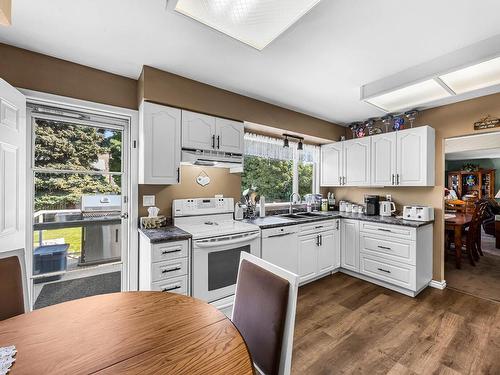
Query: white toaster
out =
(418, 213)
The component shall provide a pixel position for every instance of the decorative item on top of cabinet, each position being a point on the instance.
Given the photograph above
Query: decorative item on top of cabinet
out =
(159, 144)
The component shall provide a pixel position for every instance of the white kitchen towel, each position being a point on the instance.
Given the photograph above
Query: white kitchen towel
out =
(7, 355)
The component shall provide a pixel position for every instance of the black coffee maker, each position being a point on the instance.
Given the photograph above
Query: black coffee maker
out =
(372, 205)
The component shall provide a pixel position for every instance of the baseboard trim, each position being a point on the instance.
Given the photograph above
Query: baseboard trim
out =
(438, 284)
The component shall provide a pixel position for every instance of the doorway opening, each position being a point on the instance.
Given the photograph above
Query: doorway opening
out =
(79, 182)
(472, 214)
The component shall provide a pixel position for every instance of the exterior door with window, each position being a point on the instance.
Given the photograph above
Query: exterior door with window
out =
(79, 174)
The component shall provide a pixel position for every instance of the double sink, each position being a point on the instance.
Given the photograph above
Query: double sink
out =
(303, 215)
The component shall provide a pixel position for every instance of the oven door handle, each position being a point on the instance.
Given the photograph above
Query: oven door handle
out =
(208, 244)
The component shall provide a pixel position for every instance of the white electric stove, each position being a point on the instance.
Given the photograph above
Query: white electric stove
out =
(217, 243)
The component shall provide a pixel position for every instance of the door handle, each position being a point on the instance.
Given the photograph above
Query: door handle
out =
(393, 178)
(213, 141)
(317, 240)
(397, 179)
(320, 240)
(218, 141)
(382, 270)
(172, 288)
(165, 252)
(171, 270)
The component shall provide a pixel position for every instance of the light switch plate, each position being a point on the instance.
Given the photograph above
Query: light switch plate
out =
(148, 200)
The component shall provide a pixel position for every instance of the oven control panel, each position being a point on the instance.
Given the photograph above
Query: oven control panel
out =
(202, 206)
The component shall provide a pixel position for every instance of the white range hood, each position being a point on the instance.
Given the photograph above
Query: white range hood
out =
(210, 158)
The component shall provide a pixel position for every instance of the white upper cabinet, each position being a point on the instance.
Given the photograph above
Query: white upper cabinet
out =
(332, 164)
(416, 157)
(357, 168)
(229, 136)
(159, 144)
(402, 158)
(198, 131)
(384, 159)
(204, 132)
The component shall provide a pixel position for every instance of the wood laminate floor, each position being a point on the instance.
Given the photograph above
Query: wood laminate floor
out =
(346, 325)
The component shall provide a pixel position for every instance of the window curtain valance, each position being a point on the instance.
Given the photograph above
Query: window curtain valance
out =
(272, 148)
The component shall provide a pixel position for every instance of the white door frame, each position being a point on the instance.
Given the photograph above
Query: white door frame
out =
(130, 265)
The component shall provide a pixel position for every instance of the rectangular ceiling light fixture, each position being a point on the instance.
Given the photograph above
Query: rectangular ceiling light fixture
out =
(254, 22)
(474, 77)
(469, 72)
(409, 96)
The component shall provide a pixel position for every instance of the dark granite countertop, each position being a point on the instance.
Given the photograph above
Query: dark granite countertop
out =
(165, 234)
(279, 221)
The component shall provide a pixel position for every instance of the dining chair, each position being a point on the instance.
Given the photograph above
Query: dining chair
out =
(472, 235)
(264, 313)
(13, 284)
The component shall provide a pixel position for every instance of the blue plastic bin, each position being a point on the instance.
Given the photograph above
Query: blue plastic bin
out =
(50, 258)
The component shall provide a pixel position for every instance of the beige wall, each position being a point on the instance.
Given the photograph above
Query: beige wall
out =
(170, 89)
(449, 121)
(30, 70)
(222, 182)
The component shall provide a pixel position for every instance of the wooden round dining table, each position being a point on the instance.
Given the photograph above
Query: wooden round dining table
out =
(127, 333)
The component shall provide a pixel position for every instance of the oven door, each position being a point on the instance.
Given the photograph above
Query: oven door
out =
(216, 261)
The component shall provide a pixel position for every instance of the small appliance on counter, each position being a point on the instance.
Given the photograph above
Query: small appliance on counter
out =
(372, 205)
(238, 211)
(387, 208)
(331, 201)
(418, 213)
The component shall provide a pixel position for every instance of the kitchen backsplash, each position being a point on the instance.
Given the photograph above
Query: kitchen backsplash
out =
(221, 182)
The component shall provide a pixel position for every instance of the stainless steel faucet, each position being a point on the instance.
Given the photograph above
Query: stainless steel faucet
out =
(291, 201)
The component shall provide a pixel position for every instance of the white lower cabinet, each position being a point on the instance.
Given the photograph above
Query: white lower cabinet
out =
(396, 257)
(349, 244)
(164, 266)
(308, 256)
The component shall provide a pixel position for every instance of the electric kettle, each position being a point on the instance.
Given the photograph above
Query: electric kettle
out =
(387, 208)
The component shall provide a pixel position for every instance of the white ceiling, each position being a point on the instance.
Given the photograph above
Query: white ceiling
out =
(317, 66)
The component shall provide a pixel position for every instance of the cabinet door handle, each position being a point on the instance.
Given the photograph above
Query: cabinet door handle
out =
(320, 240)
(337, 225)
(171, 270)
(172, 288)
(384, 247)
(340, 180)
(382, 270)
(165, 252)
(218, 141)
(213, 141)
(343, 180)
(397, 179)
(317, 240)
(178, 175)
(393, 178)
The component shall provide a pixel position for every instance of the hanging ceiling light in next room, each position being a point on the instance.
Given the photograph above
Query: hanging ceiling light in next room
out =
(253, 22)
(470, 72)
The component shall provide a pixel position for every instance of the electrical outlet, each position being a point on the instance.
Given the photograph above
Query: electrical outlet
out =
(148, 200)
(388, 197)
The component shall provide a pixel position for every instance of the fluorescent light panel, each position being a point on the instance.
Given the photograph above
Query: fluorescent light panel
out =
(254, 22)
(409, 96)
(474, 77)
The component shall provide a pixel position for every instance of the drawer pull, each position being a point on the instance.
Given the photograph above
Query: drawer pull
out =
(384, 230)
(384, 247)
(172, 288)
(171, 270)
(319, 226)
(165, 252)
(382, 270)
